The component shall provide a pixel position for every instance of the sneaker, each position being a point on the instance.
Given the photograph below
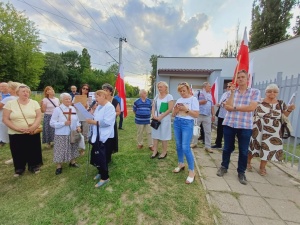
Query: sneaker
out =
(209, 150)
(8, 162)
(216, 146)
(221, 171)
(242, 178)
(193, 145)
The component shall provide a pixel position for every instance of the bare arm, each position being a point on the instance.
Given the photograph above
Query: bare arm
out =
(118, 110)
(6, 120)
(170, 107)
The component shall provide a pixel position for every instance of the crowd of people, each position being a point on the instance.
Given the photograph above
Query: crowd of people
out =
(242, 115)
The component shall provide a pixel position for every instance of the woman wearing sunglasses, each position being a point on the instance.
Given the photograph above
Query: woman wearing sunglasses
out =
(84, 90)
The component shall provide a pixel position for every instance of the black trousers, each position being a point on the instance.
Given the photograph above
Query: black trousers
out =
(98, 158)
(121, 120)
(26, 149)
(219, 132)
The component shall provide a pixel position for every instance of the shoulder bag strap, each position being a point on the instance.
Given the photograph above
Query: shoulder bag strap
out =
(22, 113)
(52, 102)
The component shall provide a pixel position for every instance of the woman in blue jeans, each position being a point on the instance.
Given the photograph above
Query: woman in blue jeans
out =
(185, 111)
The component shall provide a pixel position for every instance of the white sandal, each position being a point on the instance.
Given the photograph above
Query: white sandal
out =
(189, 180)
(178, 169)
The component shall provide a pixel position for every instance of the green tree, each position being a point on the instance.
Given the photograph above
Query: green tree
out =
(72, 62)
(153, 61)
(296, 28)
(20, 56)
(56, 72)
(270, 20)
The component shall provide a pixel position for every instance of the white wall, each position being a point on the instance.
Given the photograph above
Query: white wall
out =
(281, 57)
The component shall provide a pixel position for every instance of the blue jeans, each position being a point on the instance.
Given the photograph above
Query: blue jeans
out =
(183, 131)
(243, 136)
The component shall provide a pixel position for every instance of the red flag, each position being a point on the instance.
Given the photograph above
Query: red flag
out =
(120, 86)
(242, 57)
(214, 91)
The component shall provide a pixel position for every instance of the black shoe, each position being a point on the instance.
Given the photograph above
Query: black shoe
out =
(162, 157)
(74, 165)
(221, 171)
(154, 156)
(58, 171)
(216, 146)
(120, 128)
(200, 138)
(242, 178)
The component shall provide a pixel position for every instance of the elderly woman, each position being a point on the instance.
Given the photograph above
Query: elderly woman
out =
(101, 130)
(23, 116)
(266, 141)
(185, 111)
(161, 108)
(64, 120)
(48, 104)
(112, 143)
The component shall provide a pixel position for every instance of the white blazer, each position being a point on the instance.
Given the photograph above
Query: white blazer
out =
(106, 116)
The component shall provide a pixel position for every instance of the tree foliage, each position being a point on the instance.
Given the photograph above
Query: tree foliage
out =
(153, 61)
(270, 20)
(20, 56)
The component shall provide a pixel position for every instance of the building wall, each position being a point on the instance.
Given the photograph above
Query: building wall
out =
(280, 57)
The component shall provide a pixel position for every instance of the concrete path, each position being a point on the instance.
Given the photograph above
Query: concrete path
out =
(272, 199)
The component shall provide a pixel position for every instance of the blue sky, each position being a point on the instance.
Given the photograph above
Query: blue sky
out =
(170, 28)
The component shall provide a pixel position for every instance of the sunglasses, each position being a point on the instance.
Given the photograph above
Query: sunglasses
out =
(270, 91)
(183, 83)
(85, 88)
(228, 86)
(23, 86)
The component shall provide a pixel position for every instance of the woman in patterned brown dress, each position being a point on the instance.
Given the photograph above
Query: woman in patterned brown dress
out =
(266, 141)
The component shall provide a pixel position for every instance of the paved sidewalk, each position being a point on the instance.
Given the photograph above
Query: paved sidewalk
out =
(272, 199)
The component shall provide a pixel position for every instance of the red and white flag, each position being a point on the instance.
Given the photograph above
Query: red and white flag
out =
(120, 87)
(242, 57)
(214, 91)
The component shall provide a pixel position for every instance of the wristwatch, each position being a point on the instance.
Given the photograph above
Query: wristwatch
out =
(234, 108)
(187, 111)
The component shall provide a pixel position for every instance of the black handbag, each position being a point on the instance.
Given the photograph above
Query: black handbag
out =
(98, 153)
(155, 123)
(218, 110)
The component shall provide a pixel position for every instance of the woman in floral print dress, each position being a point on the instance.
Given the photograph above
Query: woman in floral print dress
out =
(266, 141)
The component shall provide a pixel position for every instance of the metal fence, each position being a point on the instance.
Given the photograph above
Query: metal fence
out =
(287, 87)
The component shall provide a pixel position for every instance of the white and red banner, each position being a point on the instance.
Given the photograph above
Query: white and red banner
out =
(120, 87)
(214, 91)
(242, 57)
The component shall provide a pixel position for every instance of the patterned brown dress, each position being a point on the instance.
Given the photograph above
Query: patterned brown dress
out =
(266, 141)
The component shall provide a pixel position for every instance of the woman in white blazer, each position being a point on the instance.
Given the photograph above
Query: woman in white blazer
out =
(104, 120)
(63, 150)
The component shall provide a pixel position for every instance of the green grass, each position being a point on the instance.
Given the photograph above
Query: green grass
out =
(141, 191)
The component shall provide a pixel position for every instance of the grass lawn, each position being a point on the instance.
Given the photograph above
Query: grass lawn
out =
(141, 191)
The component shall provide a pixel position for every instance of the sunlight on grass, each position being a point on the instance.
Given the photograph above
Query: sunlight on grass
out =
(141, 191)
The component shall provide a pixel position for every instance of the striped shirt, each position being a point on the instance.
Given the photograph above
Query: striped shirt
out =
(237, 119)
(142, 111)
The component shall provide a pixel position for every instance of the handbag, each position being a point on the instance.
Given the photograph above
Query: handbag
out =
(196, 129)
(74, 136)
(217, 112)
(37, 130)
(81, 143)
(155, 123)
(286, 127)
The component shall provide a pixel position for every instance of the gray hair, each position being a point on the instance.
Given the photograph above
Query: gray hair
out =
(62, 95)
(272, 87)
(204, 84)
(142, 90)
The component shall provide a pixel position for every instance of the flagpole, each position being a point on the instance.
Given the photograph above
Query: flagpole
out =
(236, 73)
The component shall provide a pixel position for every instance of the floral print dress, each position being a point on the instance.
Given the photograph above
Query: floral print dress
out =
(266, 141)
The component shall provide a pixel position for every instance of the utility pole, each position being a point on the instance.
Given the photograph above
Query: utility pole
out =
(120, 50)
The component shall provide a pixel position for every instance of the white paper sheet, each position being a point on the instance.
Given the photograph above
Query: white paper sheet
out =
(83, 114)
(292, 99)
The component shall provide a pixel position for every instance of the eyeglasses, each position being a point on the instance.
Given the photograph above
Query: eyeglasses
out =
(84, 88)
(228, 86)
(270, 91)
